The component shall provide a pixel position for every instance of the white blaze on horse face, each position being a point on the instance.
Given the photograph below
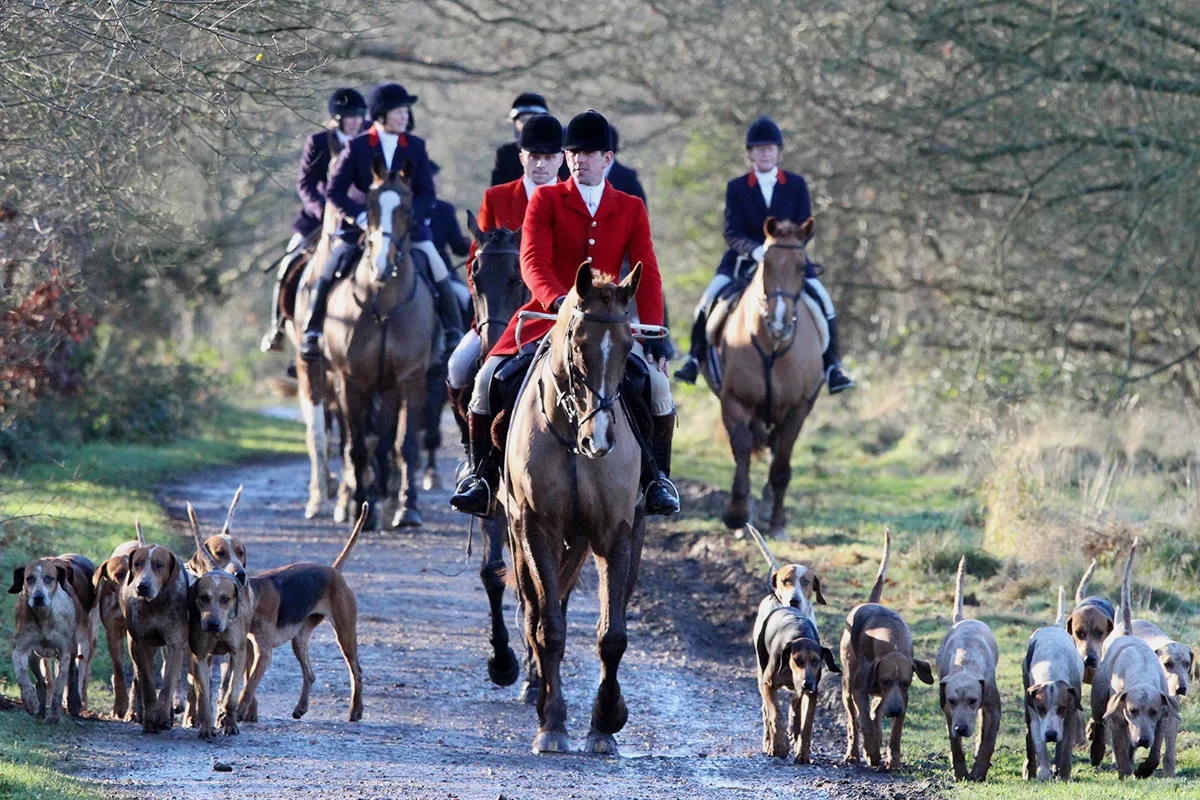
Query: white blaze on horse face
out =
(388, 201)
(601, 432)
(780, 311)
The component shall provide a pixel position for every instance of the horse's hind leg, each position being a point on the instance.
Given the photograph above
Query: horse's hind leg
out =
(741, 441)
(609, 713)
(386, 411)
(781, 465)
(354, 403)
(431, 436)
(502, 666)
(409, 457)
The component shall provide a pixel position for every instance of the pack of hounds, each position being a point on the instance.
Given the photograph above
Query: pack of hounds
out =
(208, 613)
(1138, 676)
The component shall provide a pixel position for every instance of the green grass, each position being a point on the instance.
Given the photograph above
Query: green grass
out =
(84, 500)
(852, 474)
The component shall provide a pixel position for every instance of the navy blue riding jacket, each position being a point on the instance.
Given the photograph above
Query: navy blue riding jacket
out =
(354, 168)
(746, 211)
(311, 179)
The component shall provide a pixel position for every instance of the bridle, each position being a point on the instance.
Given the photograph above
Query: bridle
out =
(483, 324)
(764, 310)
(568, 399)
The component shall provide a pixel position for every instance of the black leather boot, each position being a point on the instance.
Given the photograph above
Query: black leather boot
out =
(476, 493)
(690, 370)
(661, 495)
(450, 313)
(835, 377)
(310, 346)
(272, 341)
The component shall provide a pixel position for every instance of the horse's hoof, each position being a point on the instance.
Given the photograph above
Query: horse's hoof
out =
(432, 481)
(314, 508)
(735, 518)
(504, 671)
(551, 742)
(528, 693)
(372, 521)
(408, 518)
(602, 744)
(339, 513)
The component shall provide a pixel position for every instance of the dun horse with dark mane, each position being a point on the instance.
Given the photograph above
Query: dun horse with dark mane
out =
(769, 366)
(379, 339)
(571, 452)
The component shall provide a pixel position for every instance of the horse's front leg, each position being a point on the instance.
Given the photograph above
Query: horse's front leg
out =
(546, 629)
(502, 665)
(781, 464)
(737, 423)
(354, 407)
(609, 713)
(431, 424)
(386, 410)
(316, 439)
(408, 458)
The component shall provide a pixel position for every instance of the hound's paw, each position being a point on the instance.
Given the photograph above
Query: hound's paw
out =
(601, 744)
(551, 742)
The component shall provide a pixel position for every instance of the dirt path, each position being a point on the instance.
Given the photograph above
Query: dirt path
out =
(434, 725)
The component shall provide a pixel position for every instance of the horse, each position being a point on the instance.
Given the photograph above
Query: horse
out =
(497, 291)
(380, 336)
(569, 460)
(770, 371)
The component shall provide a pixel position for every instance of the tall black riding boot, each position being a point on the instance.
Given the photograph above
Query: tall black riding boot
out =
(272, 341)
(310, 346)
(837, 379)
(450, 313)
(690, 370)
(477, 491)
(661, 495)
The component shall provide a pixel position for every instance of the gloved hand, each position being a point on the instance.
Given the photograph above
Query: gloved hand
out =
(655, 349)
(361, 220)
(757, 253)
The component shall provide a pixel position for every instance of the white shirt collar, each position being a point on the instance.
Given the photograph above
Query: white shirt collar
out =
(769, 178)
(342, 137)
(388, 143)
(591, 196)
(530, 185)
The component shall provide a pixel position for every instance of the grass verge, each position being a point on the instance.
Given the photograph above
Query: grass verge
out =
(84, 500)
(860, 465)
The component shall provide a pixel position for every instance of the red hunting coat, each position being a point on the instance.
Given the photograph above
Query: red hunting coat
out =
(559, 235)
(503, 207)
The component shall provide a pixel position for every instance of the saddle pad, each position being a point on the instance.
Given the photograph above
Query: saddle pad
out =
(720, 313)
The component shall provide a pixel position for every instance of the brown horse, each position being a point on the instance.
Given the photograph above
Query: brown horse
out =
(770, 366)
(570, 457)
(380, 336)
(497, 291)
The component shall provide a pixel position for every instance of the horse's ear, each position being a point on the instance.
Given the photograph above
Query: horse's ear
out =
(517, 233)
(583, 279)
(406, 171)
(628, 287)
(473, 226)
(770, 226)
(806, 229)
(379, 169)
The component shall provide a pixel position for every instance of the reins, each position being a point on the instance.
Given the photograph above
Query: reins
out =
(769, 359)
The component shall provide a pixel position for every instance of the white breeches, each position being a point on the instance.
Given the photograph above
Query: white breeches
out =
(437, 267)
(462, 360)
(718, 283)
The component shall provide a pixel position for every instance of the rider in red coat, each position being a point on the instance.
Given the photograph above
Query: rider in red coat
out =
(504, 207)
(583, 219)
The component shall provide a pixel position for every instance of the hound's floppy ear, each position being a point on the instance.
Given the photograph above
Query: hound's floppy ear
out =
(1196, 664)
(806, 229)
(774, 579)
(628, 287)
(770, 226)
(1171, 704)
(1114, 704)
(1071, 690)
(1070, 625)
(942, 692)
(923, 670)
(827, 657)
(18, 581)
(473, 227)
(868, 674)
(817, 591)
(379, 169)
(64, 576)
(129, 568)
(583, 279)
(174, 572)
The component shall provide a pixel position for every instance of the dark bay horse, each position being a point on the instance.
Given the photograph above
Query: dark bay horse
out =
(380, 336)
(572, 463)
(770, 360)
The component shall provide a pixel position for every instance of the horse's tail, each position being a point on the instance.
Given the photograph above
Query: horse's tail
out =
(877, 589)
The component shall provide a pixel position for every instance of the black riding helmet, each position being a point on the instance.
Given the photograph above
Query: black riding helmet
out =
(763, 131)
(588, 132)
(528, 103)
(542, 134)
(346, 103)
(388, 96)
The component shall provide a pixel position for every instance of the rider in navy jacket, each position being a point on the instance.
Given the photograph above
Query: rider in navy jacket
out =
(766, 191)
(389, 139)
(346, 111)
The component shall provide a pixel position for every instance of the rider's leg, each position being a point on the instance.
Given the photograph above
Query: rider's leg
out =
(661, 495)
(310, 346)
(459, 372)
(475, 494)
(273, 339)
(448, 306)
(835, 377)
(690, 370)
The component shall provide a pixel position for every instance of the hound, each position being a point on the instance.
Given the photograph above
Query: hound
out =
(225, 550)
(792, 585)
(1052, 675)
(966, 664)
(790, 655)
(1178, 662)
(1130, 698)
(53, 624)
(877, 655)
(1089, 624)
(106, 605)
(291, 602)
(153, 601)
(221, 608)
